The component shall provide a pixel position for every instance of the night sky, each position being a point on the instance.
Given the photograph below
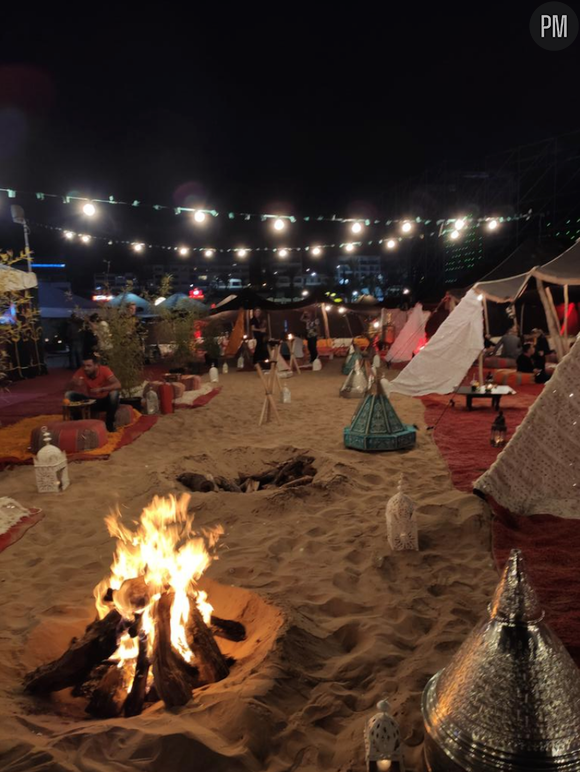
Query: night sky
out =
(290, 109)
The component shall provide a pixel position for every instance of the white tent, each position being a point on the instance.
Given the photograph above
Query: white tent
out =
(13, 280)
(538, 472)
(410, 336)
(442, 364)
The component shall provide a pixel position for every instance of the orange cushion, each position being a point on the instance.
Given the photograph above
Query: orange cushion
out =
(72, 436)
(513, 378)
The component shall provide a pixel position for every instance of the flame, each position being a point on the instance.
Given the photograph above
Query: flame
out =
(162, 554)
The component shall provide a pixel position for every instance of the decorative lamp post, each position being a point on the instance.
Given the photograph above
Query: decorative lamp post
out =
(498, 431)
(50, 467)
(383, 742)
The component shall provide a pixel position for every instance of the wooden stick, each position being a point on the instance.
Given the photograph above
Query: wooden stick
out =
(108, 698)
(174, 678)
(566, 301)
(306, 480)
(480, 365)
(486, 315)
(196, 482)
(97, 644)
(208, 658)
(136, 697)
(293, 361)
(325, 320)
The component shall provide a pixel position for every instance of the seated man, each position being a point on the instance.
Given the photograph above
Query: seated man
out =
(508, 345)
(525, 364)
(96, 381)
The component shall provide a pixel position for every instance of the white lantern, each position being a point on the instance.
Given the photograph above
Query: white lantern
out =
(316, 365)
(240, 363)
(50, 467)
(383, 742)
(402, 532)
(285, 395)
(214, 375)
(225, 368)
(377, 362)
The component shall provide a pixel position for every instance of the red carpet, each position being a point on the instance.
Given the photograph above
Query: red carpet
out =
(18, 530)
(550, 545)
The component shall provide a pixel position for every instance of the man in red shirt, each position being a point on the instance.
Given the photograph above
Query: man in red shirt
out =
(98, 382)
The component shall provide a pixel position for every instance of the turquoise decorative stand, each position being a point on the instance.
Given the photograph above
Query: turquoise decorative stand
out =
(348, 366)
(376, 426)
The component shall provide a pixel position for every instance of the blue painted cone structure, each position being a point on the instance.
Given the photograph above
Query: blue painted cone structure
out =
(376, 426)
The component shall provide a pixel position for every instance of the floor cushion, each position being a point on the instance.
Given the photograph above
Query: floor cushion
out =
(496, 363)
(191, 382)
(123, 416)
(71, 436)
(512, 378)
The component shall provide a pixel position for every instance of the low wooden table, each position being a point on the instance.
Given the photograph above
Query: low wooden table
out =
(77, 411)
(481, 393)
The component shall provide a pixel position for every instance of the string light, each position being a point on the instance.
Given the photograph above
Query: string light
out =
(459, 224)
(406, 291)
(316, 251)
(85, 239)
(349, 247)
(480, 298)
(209, 253)
(90, 210)
(199, 216)
(279, 224)
(357, 227)
(327, 308)
(304, 293)
(183, 251)
(492, 225)
(454, 235)
(406, 227)
(283, 252)
(391, 244)
(242, 252)
(69, 235)
(138, 247)
(342, 310)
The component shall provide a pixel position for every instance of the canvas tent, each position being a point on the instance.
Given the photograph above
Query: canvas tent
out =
(410, 337)
(128, 298)
(537, 472)
(442, 364)
(181, 301)
(14, 280)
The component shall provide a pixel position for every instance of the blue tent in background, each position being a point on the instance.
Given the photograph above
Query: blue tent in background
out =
(143, 306)
(180, 300)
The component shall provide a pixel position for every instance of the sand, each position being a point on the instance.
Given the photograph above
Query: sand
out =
(335, 620)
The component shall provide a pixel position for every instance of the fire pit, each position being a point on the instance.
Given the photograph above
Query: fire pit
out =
(154, 635)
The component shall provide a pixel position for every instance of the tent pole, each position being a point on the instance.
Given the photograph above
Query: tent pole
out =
(566, 301)
(325, 320)
(551, 318)
(522, 318)
(486, 316)
(480, 363)
(269, 327)
(515, 318)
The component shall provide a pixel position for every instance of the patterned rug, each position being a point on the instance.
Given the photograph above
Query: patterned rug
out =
(15, 521)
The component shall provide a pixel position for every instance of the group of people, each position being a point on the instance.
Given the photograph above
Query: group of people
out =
(259, 332)
(531, 356)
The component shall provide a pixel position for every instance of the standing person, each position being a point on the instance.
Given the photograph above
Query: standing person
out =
(96, 381)
(104, 340)
(258, 328)
(312, 333)
(74, 337)
(90, 339)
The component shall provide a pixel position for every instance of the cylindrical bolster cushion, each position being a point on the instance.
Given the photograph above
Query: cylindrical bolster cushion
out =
(513, 378)
(72, 436)
(165, 395)
(178, 389)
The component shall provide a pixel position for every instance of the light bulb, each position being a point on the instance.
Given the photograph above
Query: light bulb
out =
(356, 227)
(279, 224)
(459, 224)
(349, 247)
(454, 235)
(183, 251)
(480, 297)
(304, 293)
(492, 225)
(316, 251)
(69, 235)
(242, 252)
(138, 247)
(89, 209)
(376, 325)
(327, 308)
(406, 291)
(342, 310)
(85, 239)
(199, 216)
(208, 253)
(391, 244)
(406, 227)
(283, 252)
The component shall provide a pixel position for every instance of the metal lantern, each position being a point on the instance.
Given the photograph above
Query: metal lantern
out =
(50, 467)
(498, 431)
(509, 701)
(383, 742)
(402, 532)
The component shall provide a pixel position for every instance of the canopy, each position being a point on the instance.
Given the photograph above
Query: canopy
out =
(564, 269)
(181, 300)
(57, 303)
(14, 280)
(442, 364)
(127, 298)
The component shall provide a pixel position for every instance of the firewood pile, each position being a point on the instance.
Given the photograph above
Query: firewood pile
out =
(294, 473)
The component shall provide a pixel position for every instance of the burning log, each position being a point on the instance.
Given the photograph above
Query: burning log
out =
(200, 483)
(209, 659)
(97, 644)
(136, 697)
(108, 698)
(228, 629)
(174, 678)
(298, 482)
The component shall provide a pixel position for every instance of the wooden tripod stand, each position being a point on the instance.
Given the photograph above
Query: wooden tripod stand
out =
(269, 382)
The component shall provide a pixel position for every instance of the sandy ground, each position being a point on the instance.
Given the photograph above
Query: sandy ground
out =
(335, 620)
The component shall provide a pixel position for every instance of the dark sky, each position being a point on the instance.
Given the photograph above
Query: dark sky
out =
(315, 109)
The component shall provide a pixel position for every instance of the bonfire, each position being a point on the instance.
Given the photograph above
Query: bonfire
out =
(154, 633)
